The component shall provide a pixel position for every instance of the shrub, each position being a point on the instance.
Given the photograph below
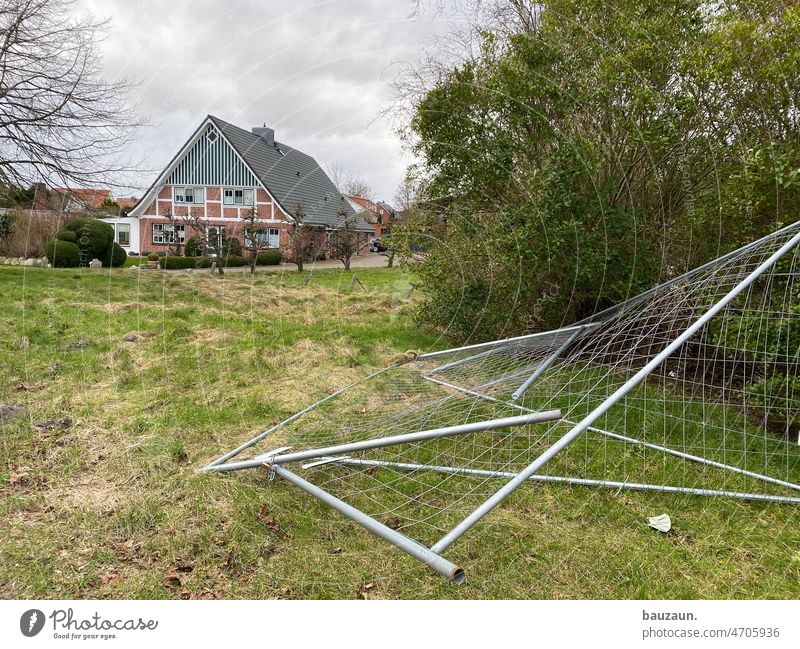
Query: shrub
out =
(114, 256)
(269, 258)
(235, 260)
(176, 263)
(67, 235)
(93, 236)
(192, 247)
(6, 224)
(63, 254)
(232, 247)
(152, 257)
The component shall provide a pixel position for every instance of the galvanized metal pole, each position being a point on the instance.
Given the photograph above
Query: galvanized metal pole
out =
(631, 440)
(692, 458)
(407, 545)
(380, 442)
(544, 365)
(583, 482)
(502, 341)
(604, 407)
(462, 361)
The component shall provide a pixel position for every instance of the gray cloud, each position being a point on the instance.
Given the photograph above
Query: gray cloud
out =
(312, 70)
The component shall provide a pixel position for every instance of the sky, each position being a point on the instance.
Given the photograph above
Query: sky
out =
(318, 72)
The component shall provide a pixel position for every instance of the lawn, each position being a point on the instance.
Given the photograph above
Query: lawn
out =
(158, 373)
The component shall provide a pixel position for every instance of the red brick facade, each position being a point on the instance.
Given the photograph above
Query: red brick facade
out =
(218, 215)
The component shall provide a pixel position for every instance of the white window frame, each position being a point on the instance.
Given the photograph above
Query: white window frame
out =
(164, 234)
(117, 231)
(181, 195)
(237, 197)
(221, 236)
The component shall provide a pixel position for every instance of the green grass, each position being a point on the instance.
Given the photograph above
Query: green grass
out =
(113, 506)
(134, 261)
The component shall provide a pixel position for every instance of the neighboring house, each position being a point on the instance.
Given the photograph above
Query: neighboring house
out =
(222, 173)
(80, 199)
(379, 215)
(126, 202)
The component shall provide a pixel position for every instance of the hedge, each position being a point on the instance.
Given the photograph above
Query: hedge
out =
(269, 258)
(63, 254)
(182, 263)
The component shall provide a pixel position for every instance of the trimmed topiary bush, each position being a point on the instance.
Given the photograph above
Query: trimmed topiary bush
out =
(114, 256)
(269, 258)
(152, 257)
(67, 235)
(63, 254)
(93, 236)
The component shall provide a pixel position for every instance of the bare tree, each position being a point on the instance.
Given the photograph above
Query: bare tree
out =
(301, 238)
(174, 221)
(254, 236)
(348, 182)
(60, 120)
(344, 241)
(406, 194)
(209, 239)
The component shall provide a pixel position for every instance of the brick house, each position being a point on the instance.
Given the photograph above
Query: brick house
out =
(220, 174)
(379, 215)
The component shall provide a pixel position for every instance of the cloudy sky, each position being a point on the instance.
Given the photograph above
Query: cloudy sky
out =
(316, 71)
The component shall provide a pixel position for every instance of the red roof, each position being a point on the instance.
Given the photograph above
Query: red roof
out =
(91, 198)
(126, 202)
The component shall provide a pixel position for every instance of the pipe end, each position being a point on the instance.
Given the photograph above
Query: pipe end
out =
(459, 576)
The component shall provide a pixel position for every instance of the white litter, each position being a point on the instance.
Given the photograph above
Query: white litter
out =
(661, 523)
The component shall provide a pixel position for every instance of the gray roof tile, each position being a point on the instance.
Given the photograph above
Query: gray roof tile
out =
(291, 176)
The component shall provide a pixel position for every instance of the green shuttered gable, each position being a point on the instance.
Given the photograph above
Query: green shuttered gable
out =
(211, 162)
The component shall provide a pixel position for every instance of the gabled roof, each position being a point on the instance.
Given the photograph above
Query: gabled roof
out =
(289, 175)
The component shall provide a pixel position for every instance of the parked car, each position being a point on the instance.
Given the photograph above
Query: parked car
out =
(379, 244)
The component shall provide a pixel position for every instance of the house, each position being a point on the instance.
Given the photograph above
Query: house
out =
(220, 175)
(80, 199)
(68, 200)
(379, 215)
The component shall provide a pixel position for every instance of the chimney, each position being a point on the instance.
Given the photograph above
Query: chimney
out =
(266, 134)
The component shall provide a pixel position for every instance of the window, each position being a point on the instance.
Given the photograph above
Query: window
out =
(270, 238)
(238, 197)
(168, 234)
(212, 136)
(215, 236)
(123, 233)
(188, 194)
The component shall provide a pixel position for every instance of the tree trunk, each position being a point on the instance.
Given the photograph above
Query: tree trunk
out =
(299, 264)
(391, 260)
(347, 264)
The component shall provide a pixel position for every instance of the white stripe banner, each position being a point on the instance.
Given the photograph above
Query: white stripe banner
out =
(388, 624)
